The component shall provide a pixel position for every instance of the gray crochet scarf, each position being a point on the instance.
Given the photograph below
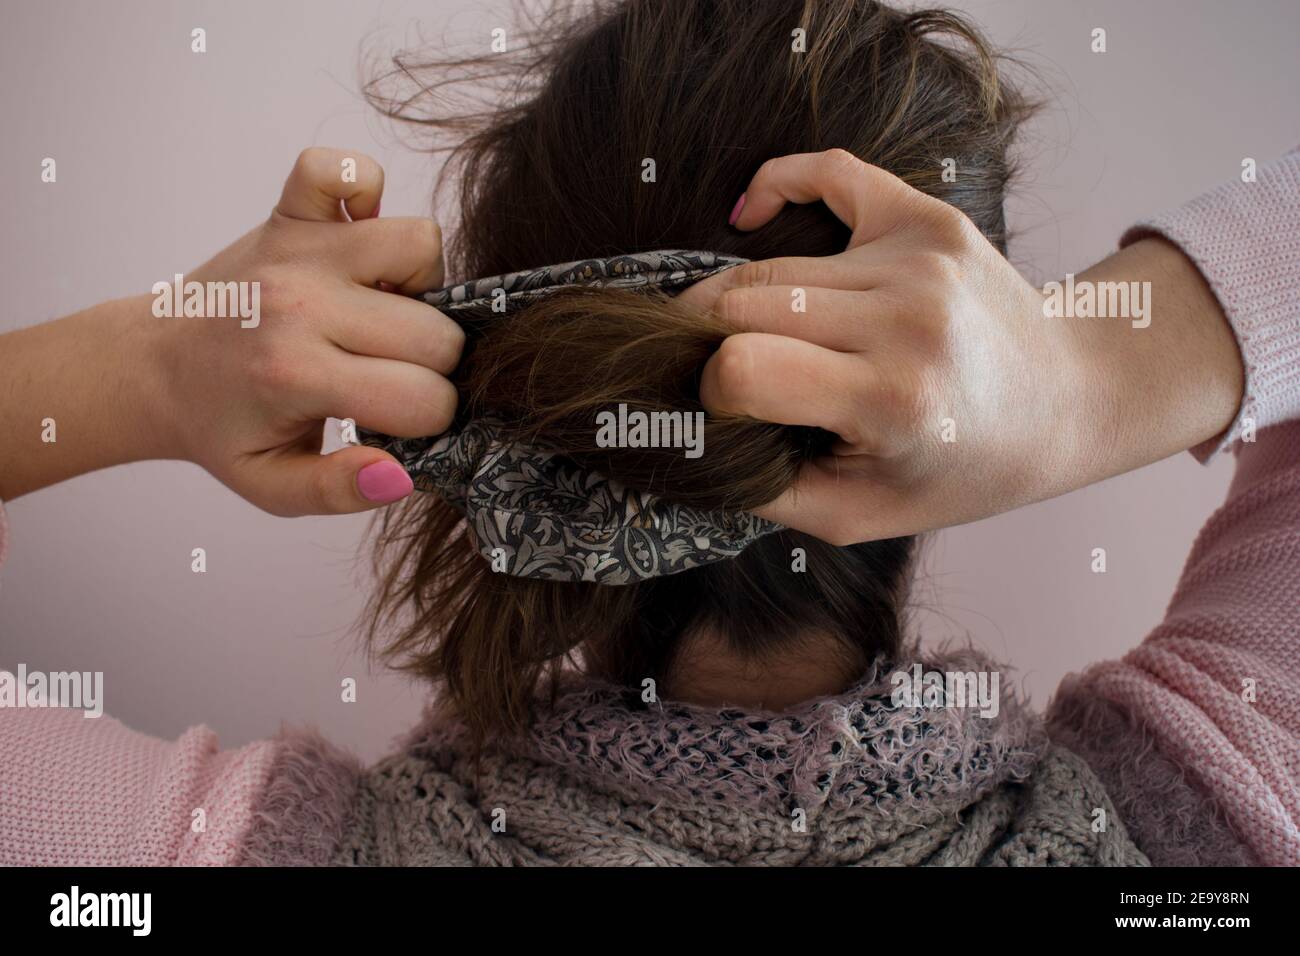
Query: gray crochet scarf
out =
(603, 778)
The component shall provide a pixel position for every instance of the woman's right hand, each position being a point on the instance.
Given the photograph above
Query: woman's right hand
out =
(953, 395)
(336, 335)
(332, 341)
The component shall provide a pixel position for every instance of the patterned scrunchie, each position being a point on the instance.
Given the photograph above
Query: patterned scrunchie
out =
(538, 514)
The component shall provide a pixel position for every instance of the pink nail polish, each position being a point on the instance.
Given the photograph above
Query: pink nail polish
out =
(377, 207)
(735, 212)
(384, 482)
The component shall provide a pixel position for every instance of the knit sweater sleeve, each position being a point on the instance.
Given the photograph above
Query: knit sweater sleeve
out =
(78, 791)
(1196, 732)
(1245, 239)
(89, 791)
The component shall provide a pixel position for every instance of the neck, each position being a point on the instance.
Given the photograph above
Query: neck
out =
(709, 672)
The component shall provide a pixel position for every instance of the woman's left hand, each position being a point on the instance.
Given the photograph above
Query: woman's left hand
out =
(953, 396)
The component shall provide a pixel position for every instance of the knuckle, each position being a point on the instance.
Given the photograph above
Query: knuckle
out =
(952, 226)
(733, 307)
(734, 370)
(757, 273)
(925, 302)
(931, 337)
(767, 169)
(311, 159)
(274, 371)
(838, 160)
(936, 268)
(367, 165)
(423, 236)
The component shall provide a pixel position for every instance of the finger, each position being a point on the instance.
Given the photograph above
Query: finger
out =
(299, 481)
(396, 398)
(324, 177)
(776, 379)
(843, 271)
(383, 325)
(831, 318)
(836, 500)
(404, 252)
(865, 198)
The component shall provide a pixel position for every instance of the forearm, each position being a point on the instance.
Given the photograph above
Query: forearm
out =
(79, 394)
(1168, 381)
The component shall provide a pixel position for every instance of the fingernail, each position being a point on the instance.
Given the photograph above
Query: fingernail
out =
(377, 207)
(384, 482)
(735, 212)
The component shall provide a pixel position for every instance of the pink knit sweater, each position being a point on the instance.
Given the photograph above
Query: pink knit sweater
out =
(1203, 718)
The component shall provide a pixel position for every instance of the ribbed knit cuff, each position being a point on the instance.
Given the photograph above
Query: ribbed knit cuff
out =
(1245, 239)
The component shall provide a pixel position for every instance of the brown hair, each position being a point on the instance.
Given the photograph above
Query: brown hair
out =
(553, 172)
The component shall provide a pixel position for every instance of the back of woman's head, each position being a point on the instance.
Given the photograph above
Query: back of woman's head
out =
(631, 127)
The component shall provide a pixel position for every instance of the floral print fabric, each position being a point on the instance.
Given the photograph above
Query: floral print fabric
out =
(537, 514)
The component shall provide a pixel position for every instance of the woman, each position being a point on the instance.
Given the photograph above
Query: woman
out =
(649, 657)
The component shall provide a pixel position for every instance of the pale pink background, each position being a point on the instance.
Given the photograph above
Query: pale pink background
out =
(164, 156)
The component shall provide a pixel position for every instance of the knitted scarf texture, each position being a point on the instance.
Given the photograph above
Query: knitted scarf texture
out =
(603, 778)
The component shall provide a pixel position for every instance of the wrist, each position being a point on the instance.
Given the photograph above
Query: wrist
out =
(78, 394)
(135, 373)
(1164, 376)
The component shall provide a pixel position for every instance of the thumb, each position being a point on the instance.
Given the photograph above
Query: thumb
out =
(841, 504)
(353, 479)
